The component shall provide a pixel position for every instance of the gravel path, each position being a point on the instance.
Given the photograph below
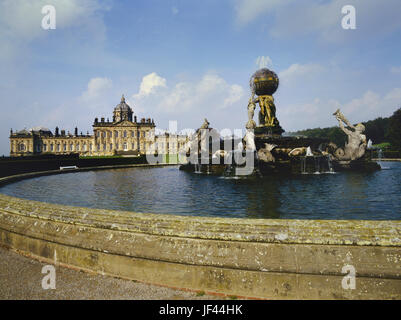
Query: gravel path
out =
(21, 278)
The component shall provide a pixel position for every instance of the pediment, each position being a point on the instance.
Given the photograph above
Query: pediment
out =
(125, 123)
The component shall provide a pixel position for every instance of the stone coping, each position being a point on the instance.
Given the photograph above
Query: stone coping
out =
(387, 159)
(284, 231)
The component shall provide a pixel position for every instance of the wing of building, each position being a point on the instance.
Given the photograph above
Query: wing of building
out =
(125, 135)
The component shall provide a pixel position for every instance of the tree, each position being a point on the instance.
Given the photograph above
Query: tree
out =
(377, 129)
(394, 130)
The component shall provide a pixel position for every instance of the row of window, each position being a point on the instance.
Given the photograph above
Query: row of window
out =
(124, 134)
(124, 145)
(71, 147)
(172, 145)
(64, 147)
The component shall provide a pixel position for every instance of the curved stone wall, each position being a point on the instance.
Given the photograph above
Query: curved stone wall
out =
(274, 259)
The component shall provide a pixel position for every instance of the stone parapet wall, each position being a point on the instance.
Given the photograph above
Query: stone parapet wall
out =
(272, 259)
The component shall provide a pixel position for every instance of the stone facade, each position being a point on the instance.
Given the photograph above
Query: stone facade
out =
(125, 135)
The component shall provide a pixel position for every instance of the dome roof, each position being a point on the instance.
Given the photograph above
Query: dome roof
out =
(37, 129)
(122, 106)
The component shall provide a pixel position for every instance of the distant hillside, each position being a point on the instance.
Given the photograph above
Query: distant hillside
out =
(379, 130)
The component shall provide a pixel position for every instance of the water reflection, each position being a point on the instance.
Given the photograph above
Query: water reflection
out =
(168, 190)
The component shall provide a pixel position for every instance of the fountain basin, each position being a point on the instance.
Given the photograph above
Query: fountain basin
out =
(259, 258)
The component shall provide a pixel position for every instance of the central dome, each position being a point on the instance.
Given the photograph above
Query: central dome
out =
(264, 82)
(122, 106)
(122, 111)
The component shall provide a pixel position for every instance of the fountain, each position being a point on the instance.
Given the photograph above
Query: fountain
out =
(264, 149)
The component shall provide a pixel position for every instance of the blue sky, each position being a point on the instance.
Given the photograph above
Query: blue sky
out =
(186, 60)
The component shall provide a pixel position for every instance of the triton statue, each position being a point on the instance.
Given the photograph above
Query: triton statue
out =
(356, 146)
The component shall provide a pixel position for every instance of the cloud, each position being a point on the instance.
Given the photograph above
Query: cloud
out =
(249, 10)
(174, 10)
(395, 69)
(150, 83)
(193, 99)
(235, 93)
(290, 18)
(317, 113)
(21, 24)
(96, 87)
(211, 91)
(299, 72)
(22, 19)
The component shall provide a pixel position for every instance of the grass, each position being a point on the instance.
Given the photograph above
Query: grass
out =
(99, 157)
(383, 145)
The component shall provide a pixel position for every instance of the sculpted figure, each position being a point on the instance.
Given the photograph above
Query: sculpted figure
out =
(249, 139)
(205, 124)
(251, 112)
(356, 146)
(267, 114)
(297, 151)
(265, 155)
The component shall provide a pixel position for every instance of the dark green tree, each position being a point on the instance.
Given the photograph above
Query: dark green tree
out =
(394, 130)
(376, 130)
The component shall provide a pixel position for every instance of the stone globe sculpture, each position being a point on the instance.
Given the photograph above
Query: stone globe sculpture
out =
(264, 84)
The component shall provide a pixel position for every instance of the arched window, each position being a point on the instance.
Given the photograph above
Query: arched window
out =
(77, 147)
(125, 134)
(115, 134)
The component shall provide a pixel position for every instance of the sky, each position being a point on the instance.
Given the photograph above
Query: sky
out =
(186, 60)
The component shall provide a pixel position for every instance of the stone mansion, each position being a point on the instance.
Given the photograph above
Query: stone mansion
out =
(125, 135)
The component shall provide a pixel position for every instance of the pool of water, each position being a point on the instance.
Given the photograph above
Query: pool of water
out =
(351, 195)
